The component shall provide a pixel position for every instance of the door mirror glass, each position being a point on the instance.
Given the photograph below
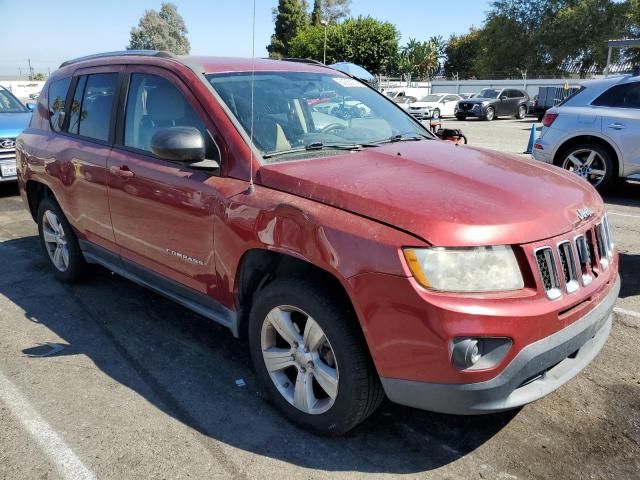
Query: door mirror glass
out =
(183, 144)
(31, 106)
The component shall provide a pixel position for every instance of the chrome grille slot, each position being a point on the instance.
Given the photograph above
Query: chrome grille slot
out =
(548, 272)
(568, 264)
(603, 249)
(609, 237)
(584, 259)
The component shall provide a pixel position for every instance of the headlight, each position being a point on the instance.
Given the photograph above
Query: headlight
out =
(476, 107)
(473, 269)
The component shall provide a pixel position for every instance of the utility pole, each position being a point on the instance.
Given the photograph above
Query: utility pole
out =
(30, 69)
(324, 52)
(20, 70)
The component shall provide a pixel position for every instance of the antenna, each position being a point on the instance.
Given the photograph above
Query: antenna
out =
(252, 187)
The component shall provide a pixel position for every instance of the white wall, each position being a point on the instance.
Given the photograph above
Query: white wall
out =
(474, 86)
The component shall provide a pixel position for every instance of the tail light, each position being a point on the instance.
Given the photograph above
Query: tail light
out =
(548, 119)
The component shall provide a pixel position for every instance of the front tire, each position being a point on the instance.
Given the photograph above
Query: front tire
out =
(310, 357)
(461, 117)
(59, 242)
(490, 114)
(591, 162)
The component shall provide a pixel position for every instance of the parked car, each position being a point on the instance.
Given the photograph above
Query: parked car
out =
(442, 104)
(404, 102)
(397, 92)
(14, 117)
(491, 103)
(361, 259)
(464, 96)
(596, 132)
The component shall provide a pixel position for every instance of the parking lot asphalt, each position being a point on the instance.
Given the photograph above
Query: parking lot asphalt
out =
(105, 379)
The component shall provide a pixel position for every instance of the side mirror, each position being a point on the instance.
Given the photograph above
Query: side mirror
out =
(503, 97)
(183, 144)
(31, 106)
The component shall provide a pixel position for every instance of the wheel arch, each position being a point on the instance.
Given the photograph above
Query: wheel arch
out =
(36, 192)
(593, 139)
(259, 267)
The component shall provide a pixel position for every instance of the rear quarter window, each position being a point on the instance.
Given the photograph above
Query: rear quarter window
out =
(57, 96)
(626, 95)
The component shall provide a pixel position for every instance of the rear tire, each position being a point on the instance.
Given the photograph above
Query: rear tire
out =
(59, 242)
(354, 391)
(461, 117)
(590, 161)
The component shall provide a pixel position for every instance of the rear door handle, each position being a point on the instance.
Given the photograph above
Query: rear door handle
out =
(616, 126)
(122, 171)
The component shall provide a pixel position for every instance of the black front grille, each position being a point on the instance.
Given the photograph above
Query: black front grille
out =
(577, 262)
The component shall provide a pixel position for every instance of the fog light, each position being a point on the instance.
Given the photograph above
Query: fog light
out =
(466, 353)
(479, 353)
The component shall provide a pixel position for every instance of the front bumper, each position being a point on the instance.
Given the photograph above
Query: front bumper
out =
(477, 112)
(537, 370)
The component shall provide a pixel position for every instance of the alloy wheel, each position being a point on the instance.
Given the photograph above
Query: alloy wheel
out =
(299, 359)
(587, 163)
(55, 240)
(490, 115)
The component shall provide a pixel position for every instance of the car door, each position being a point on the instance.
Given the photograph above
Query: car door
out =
(449, 103)
(161, 210)
(516, 98)
(620, 112)
(81, 148)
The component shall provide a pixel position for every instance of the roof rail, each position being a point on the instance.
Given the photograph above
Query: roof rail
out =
(301, 60)
(144, 53)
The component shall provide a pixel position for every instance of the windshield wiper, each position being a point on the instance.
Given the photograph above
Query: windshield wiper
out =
(403, 137)
(320, 146)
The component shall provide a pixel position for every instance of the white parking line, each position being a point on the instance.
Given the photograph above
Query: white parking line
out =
(622, 214)
(68, 464)
(629, 313)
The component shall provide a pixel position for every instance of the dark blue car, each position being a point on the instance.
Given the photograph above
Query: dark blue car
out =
(14, 117)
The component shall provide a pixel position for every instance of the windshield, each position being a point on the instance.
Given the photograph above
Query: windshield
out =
(9, 103)
(298, 111)
(488, 93)
(431, 98)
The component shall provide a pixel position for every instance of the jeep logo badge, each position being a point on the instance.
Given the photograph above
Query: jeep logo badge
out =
(584, 213)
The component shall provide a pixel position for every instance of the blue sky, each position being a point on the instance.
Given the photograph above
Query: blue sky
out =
(51, 31)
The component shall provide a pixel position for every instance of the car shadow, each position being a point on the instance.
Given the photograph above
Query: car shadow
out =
(624, 193)
(629, 268)
(187, 367)
(9, 189)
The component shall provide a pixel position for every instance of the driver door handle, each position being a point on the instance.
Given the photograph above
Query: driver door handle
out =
(616, 126)
(122, 171)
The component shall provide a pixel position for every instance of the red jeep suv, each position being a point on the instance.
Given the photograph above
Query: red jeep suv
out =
(361, 256)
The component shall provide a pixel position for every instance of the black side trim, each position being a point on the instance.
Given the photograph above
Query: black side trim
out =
(185, 296)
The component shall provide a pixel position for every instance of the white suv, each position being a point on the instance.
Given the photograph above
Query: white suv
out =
(595, 132)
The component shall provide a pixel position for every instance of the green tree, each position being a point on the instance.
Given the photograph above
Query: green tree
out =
(421, 58)
(336, 10)
(461, 53)
(290, 18)
(579, 31)
(364, 40)
(316, 13)
(39, 77)
(164, 30)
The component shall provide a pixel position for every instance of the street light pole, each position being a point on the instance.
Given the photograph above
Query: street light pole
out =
(324, 52)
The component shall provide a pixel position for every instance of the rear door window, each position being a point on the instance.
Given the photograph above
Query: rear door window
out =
(92, 115)
(620, 96)
(57, 97)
